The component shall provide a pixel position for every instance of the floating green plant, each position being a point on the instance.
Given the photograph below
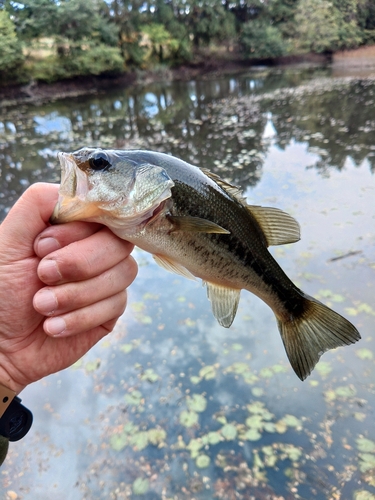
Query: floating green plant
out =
(141, 486)
(196, 402)
(188, 418)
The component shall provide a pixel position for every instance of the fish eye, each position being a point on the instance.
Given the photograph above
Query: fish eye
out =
(99, 161)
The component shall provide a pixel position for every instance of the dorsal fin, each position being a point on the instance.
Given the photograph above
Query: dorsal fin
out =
(232, 190)
(278, 227)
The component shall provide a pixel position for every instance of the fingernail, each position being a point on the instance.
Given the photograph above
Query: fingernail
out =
(45, 302)
(55, 326)
(47, 245)
(48, 271)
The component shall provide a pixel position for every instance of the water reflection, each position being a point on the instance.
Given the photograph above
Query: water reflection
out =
(171, 402)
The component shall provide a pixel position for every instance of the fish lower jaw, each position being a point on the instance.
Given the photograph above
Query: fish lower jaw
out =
(69, 210)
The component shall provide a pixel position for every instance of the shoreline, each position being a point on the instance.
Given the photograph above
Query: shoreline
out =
(37, 92)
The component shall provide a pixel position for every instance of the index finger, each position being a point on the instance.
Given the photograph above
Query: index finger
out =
(56, 237)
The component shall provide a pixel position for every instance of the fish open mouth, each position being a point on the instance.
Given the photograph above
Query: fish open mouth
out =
(74, 187)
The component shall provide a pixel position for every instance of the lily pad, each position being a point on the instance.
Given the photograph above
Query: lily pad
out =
(157, 436)
(363, 495)
(91, 366)
(292, 452)
(366, 445)
(203, 461)
(238, 368)
(197, 403)
(139, 440)
(140, 486)
(194, 446)
(134, 398)
(366, 462)
(188, 418)
(252, 435)
(266, 373)
(119, 441)
(229, 432)
(208, 372)
(237, 347)
(126, 348)
(257, 392)
(323, 368)
(213, 438)
(149, 375)
(291, 421)
(364, 353)
(345, 391)
(255, 422)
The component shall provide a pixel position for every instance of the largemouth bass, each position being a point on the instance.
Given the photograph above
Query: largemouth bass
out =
(197, 225)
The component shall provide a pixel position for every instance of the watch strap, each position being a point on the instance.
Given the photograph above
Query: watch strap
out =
(6, 397)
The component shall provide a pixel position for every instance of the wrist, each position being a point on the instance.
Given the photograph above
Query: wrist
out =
(9, 382)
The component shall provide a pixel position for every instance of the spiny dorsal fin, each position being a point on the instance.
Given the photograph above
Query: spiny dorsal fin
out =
(195, 224)
(232, 190)
(278, 227)
(173, 266)
(224, 302)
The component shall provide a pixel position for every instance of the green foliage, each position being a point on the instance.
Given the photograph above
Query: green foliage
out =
(262, 41)
(11, 56)
(91, 37)
(92, 60)
(158, 43)
(210, 22)
(317, 26)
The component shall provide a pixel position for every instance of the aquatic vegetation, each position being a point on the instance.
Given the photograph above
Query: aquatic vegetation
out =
(170, 407)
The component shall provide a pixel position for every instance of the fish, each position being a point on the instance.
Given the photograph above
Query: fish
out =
(198, 225)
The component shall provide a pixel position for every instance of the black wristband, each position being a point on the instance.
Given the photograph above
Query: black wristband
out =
(16, 421)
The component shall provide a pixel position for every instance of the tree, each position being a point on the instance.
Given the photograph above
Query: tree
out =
(11, 56)
(209, 21)
(261, 40)
(317, 26)
(34, 18)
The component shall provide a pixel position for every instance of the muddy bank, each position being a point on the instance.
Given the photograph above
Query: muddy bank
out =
(209, 68)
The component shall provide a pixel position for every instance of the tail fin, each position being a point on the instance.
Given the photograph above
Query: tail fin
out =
(307, 337)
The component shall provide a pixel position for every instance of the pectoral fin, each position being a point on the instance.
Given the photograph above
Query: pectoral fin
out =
(278, 227)
(224, 303)
(195, 225)
(173, 267)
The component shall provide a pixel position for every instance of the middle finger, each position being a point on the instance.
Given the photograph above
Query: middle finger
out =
(84, 259)
(52, 301)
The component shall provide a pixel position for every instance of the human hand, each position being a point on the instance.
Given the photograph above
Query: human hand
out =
(62, 288)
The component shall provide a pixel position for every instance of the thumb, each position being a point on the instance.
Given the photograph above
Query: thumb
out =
(26, 219)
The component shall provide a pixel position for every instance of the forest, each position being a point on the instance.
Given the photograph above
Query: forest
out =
(49, 40)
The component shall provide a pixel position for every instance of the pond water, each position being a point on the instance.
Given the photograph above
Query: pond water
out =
(171, 405)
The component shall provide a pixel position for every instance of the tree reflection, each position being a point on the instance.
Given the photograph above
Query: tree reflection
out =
(217, 123)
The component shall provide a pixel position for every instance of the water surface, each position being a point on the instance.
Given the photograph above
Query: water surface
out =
(171, 405)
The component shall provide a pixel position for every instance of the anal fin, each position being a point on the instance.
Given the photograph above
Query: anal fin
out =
(224, 302)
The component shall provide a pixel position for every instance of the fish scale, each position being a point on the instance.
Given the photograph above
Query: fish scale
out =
(198, 225)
